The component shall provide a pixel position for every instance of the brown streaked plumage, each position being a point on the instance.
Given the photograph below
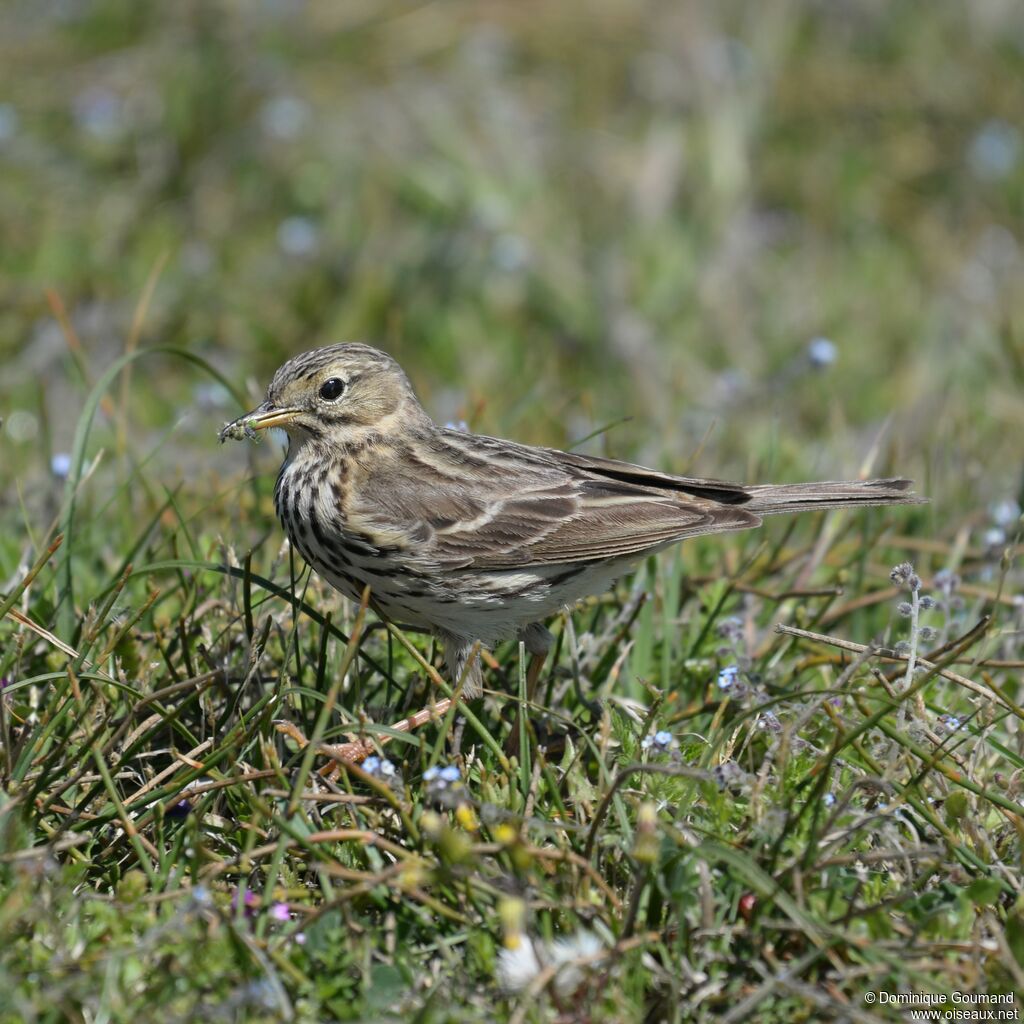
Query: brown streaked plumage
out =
(474, 537)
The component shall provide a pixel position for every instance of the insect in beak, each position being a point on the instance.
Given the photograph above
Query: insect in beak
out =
(262, 417)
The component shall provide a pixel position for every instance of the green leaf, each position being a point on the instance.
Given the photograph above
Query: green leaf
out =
(1015, 931)
(387, 986)
(983, 892)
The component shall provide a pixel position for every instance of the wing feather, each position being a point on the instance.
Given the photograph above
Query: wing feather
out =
(477, 503)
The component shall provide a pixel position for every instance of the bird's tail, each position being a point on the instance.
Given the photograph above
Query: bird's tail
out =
(769, 499)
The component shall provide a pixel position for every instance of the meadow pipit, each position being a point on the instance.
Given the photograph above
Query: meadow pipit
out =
(473, 537)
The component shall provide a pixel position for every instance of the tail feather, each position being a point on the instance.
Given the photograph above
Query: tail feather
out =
(770, 499)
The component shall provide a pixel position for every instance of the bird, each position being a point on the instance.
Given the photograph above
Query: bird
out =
(474, 538)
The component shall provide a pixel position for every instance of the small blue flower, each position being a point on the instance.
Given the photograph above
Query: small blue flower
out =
(995, 150)
(380, 767)
(728, 677)
(441, 777)
(821, 353)
(60, 465)
(660, 741)
(994, 537)
(830, 799)
(298, 236)
(1005, 513)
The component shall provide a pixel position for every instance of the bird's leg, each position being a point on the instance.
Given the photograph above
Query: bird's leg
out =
(538, 641)
(466, 674)
(462, 658)
(359, 750)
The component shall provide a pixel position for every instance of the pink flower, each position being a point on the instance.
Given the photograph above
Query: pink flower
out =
(249, 902)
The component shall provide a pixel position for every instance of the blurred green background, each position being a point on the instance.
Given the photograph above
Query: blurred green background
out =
(760, 232)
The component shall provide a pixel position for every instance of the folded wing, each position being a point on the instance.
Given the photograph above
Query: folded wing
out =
(489, 508)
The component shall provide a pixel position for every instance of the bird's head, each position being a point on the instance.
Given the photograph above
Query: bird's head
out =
(338, 394)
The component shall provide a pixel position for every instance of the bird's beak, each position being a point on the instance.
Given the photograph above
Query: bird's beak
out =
(262, 417)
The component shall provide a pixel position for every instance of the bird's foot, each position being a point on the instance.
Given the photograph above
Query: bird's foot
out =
(358, 750)
(354, 752)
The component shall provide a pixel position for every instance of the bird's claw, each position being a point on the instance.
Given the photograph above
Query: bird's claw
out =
(354, 752)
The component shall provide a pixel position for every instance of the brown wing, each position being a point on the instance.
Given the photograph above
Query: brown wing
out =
(596, 521)
(482, 503)
(611, 469)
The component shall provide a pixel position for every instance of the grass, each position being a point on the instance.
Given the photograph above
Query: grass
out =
(751, 786)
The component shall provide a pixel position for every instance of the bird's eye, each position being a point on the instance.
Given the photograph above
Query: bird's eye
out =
(331, 389)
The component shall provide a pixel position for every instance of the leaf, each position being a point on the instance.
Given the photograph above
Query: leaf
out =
(1015, 931)
(983, 892)
(387, 986)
